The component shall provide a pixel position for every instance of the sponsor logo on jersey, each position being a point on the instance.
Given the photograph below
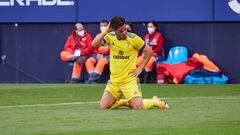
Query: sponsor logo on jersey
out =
(120, 55)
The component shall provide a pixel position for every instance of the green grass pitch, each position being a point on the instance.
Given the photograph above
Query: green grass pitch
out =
(65, 109)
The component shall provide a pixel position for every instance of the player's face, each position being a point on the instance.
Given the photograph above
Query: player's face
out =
(121, 32)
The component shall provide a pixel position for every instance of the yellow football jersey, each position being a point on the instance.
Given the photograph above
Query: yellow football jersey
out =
(123, 55)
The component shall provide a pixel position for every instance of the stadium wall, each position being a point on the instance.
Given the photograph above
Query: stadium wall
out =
(66, 11)
(30, 52)
(33, 32)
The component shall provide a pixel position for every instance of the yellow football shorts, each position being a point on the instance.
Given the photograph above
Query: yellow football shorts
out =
(129, 90)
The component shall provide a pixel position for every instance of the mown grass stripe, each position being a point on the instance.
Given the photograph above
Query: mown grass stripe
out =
(95, 102)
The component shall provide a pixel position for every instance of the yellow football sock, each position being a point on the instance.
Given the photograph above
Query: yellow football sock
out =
(121, 102)
(148, 104)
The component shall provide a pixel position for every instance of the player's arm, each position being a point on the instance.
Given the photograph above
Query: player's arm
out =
(147, 53)
(98, 40)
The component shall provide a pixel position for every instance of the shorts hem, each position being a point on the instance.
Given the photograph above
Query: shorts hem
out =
(112, 94)
(133, 97)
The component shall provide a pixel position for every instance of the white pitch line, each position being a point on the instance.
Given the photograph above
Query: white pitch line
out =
(42, 105)
(95, 102)
(214, 98)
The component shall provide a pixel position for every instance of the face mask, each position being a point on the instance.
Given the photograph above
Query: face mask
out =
(80, 33)
(103, 28)
(151, 30)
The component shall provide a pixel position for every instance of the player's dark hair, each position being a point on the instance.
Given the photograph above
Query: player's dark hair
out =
(104, 21)
(117, 21)
(154, 24)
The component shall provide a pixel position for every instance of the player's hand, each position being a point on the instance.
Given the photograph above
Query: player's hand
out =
(109, 29)
(137, 72)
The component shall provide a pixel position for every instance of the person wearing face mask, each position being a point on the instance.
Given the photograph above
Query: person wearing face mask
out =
(97, 62)
(155, 40)
(77, 49)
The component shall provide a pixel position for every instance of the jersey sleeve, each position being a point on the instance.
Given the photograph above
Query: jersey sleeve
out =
(106, 39)
(139, 43)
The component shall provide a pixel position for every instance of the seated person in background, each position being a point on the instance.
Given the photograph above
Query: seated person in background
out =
(77, 49)
(96, 64)
(155, 40)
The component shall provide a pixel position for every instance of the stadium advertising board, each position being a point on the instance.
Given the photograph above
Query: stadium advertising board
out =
(145, 10)
(227, 10)
(95, 10)
(38, 10)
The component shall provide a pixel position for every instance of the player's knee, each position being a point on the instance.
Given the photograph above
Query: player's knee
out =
(104, 106)
(64, 56)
